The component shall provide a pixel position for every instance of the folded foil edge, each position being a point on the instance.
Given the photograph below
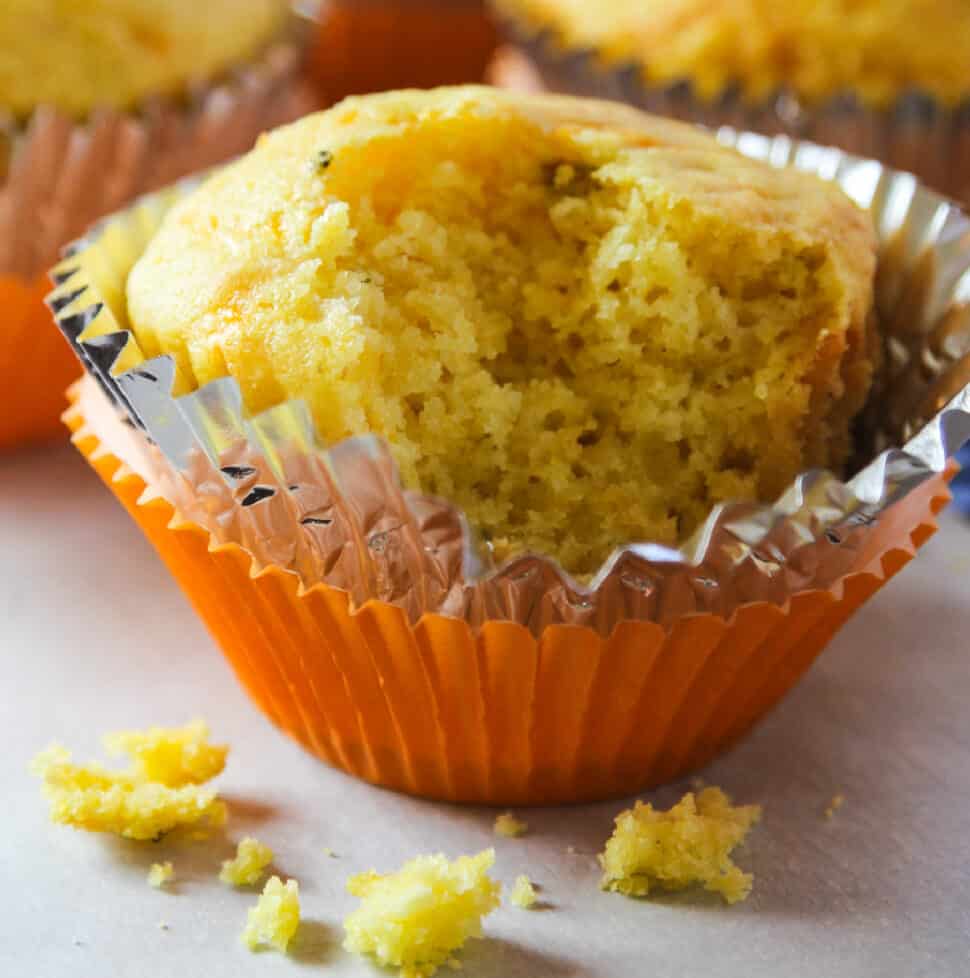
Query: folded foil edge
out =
(338, 514)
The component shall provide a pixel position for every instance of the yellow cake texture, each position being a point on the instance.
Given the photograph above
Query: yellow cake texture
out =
(582, 324)
(274, 919)
(246, 867)
(508, 826)
(172, 756)
(523, 893)
(157, 793)
(877, 49)
(160, 873)
(416, 918)
(686, 846)
(80, 55)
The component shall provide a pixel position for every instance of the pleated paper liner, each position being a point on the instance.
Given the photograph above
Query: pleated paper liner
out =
(917, 133)
(62, 175)
(495, 716)
(35, 364)
(365, 622)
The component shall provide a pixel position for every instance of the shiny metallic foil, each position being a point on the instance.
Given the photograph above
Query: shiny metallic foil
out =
(339, 515)
(916, 133)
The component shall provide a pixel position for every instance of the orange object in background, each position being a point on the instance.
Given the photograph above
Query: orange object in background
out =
(373, 45)
(36, 364)
(495, 716)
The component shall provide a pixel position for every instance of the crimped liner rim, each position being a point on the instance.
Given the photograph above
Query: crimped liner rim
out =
(847, 511)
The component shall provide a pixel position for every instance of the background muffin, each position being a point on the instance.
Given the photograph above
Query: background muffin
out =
(883, 78)
(582, 325)
(105, 100)
(816, 48)
(91, 54)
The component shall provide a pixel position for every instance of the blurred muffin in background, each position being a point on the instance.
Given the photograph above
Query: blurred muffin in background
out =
(882, 78)
(103, 100)
(83, 56)
(374, 45)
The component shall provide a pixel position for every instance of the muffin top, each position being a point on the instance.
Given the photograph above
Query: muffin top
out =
(79, 55)
(582, 324)
(819, 48)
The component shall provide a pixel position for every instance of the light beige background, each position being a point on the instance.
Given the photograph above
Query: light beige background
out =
(94, 636)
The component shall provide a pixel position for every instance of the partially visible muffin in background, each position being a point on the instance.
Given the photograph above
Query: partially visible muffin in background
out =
(91, 54)
(817, 48)
(583, 325)
(101, 100)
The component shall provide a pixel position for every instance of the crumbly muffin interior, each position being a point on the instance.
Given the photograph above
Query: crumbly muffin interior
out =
(581, 338)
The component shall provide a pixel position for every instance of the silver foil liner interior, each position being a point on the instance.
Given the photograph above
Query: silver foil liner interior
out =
(58, 175)
(338, 514)
(916, 132)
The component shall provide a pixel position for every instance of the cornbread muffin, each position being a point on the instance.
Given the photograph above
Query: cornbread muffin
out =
(416, 918)
(508, 826)
(172, 756)
(582, 324)
(818, 48)
(84, 54)
(688, 845)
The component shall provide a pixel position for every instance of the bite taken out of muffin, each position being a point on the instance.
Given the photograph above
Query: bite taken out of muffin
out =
(583, 325)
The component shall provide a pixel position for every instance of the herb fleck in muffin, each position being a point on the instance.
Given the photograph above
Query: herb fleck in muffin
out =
(582, 324)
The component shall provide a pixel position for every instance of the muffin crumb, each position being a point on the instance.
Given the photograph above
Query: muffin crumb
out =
(416, 918)
(510, 827)
(687, 845)
(160, 873)
(171, 756)
(129, 802)
(834, 805)
(247, 866)
(523, 893)
(273, 921)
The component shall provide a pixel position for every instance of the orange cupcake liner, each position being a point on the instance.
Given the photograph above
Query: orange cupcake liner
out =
(498, 715)
(374, 45)
(36, 365)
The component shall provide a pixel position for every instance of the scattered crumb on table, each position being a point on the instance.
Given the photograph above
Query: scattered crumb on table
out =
(414, 919)
(672, 850)
(523, 893)
(273, 921)
(160, 873)
(508, 826)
